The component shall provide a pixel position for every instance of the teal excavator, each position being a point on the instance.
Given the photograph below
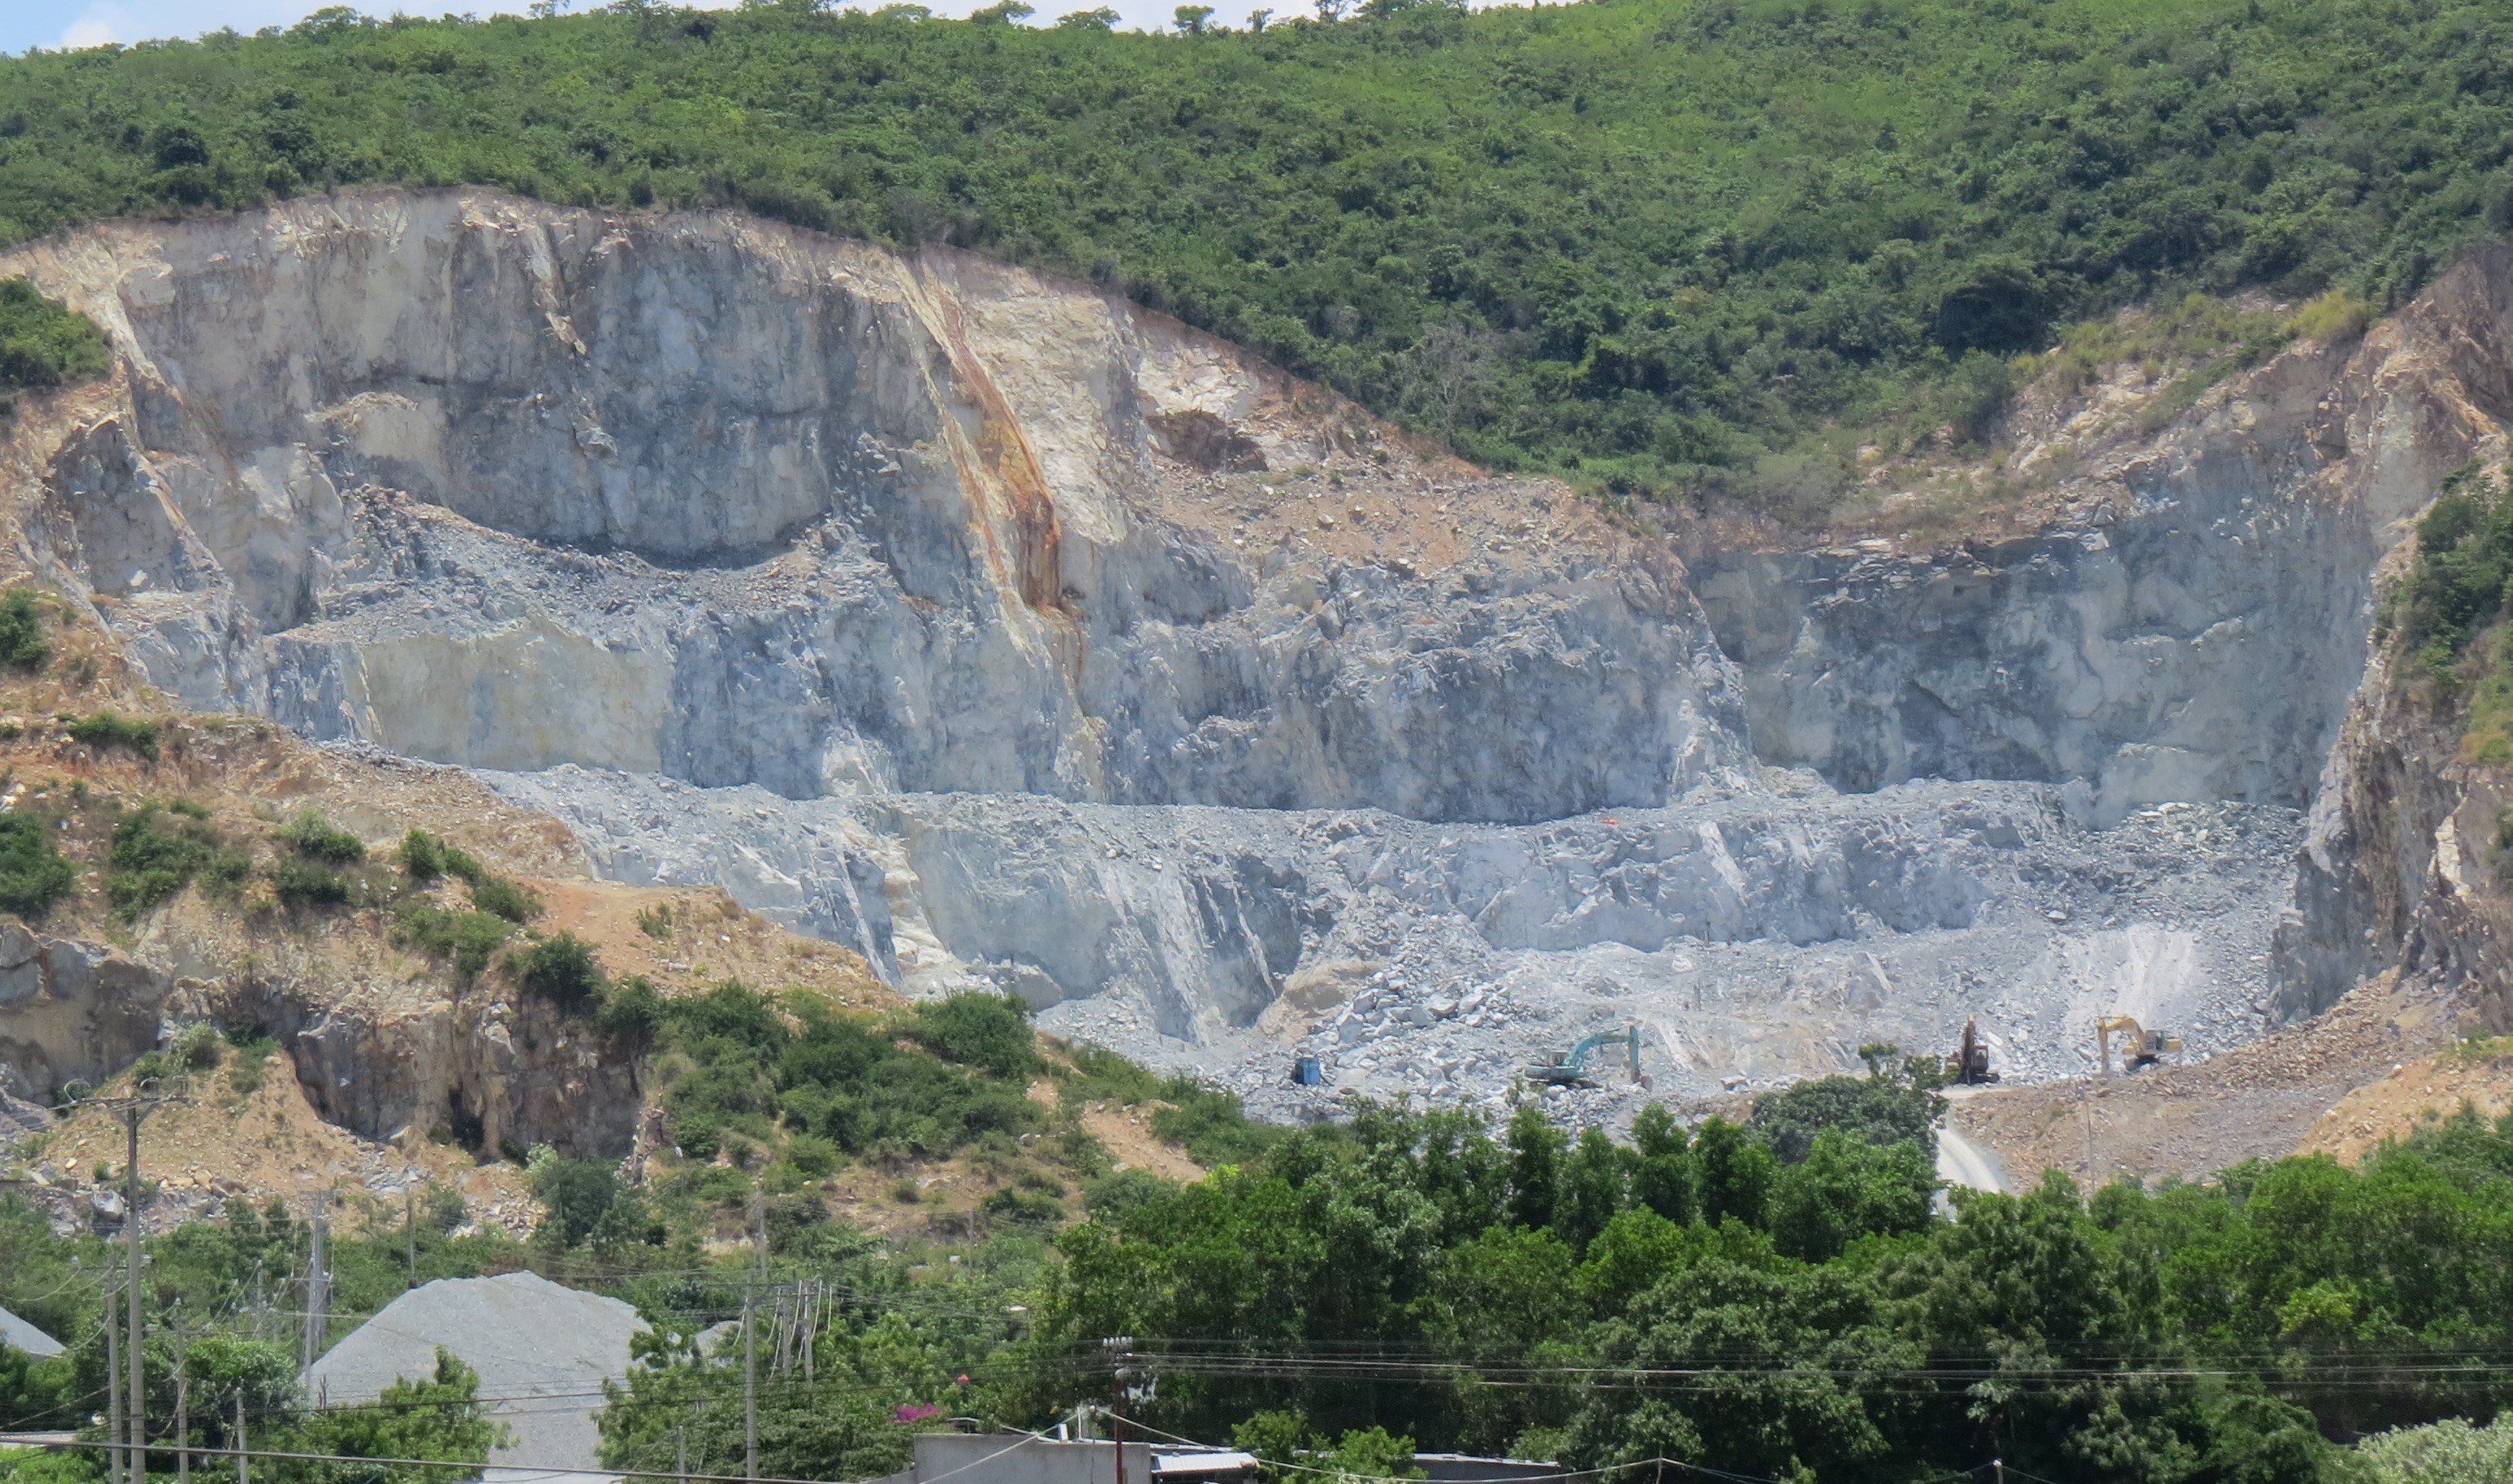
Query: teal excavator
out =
(1570, 1067)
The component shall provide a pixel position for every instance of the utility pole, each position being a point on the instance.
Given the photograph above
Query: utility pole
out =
(409, 1230)
(145, 1097)
(113, 1398)
(1121, 1377)
(182, 1413)
(750, 1340)
(2000, 1465)
(318, 1284)
(244, 1462)
(136, 1413)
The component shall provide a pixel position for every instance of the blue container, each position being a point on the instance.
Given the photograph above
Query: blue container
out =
(1306, 1072)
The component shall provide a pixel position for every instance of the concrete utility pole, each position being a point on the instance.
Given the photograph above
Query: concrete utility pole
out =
(318, 1284)
(145, 1097)
(137, 1412)
(1121, 1377)
(183, 1414)
(113, 1453)
(750, 1340)
(243, 1463)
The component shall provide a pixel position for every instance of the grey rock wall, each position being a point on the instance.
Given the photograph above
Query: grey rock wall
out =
(493, 483)
(72, 1012)
(2193, 626)
(974, 620)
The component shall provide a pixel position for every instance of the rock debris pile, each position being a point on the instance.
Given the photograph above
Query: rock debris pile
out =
(1756, 937)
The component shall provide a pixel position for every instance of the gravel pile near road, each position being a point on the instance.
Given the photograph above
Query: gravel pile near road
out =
(543, 1348)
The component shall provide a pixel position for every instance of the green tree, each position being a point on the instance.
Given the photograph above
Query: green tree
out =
(1736, 1172)
(1595, 1185)
(989, 1031)
(1846, 1188)
(438, 1416)
(1662, 1173)
(1535, 1149)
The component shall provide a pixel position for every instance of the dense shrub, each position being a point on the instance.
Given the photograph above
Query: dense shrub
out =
(303, 883)
(316, 838)
(737, 1065)
(34, 875)
(631, 1009)
(564, 970)
(21, 631)
(497, 895)
(1210, 1126)
(426, 858)
(112, 729)
(984, 1030)
(43, 343)
(158, 850)
(466, 940)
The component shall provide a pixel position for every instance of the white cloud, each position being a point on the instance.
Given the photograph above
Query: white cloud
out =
(99, 26)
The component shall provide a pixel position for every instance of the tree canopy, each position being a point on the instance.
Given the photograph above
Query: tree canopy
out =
(1659, 245)
(1412, 1279)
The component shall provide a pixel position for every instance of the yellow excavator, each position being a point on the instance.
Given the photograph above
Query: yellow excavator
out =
(2140, 1045)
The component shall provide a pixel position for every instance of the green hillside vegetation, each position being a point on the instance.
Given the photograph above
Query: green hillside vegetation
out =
(1426, 1280)
(42, 344)
(1664, 246)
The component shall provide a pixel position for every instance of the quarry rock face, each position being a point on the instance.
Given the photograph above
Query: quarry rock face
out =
(486, 483)
(1017, 637)
(2191, 625)
(71, 1012)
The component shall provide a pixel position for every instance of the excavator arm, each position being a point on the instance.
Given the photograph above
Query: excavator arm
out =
(1572, 1065)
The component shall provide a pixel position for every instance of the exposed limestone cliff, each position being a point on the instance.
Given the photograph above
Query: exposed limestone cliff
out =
(489, 483)
(2191, 622)
(1013, 635)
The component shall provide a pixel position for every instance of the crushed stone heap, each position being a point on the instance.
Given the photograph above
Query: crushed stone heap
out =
(542, 1350)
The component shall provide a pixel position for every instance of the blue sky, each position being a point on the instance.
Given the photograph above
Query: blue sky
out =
(55, 23)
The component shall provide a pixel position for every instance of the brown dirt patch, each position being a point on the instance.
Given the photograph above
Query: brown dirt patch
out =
(2262, 1101)
(1126, 1132)
(2478, 1076)
(268, 1143)
(683, 938)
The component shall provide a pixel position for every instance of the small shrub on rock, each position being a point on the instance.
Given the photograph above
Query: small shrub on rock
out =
(34, 874)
